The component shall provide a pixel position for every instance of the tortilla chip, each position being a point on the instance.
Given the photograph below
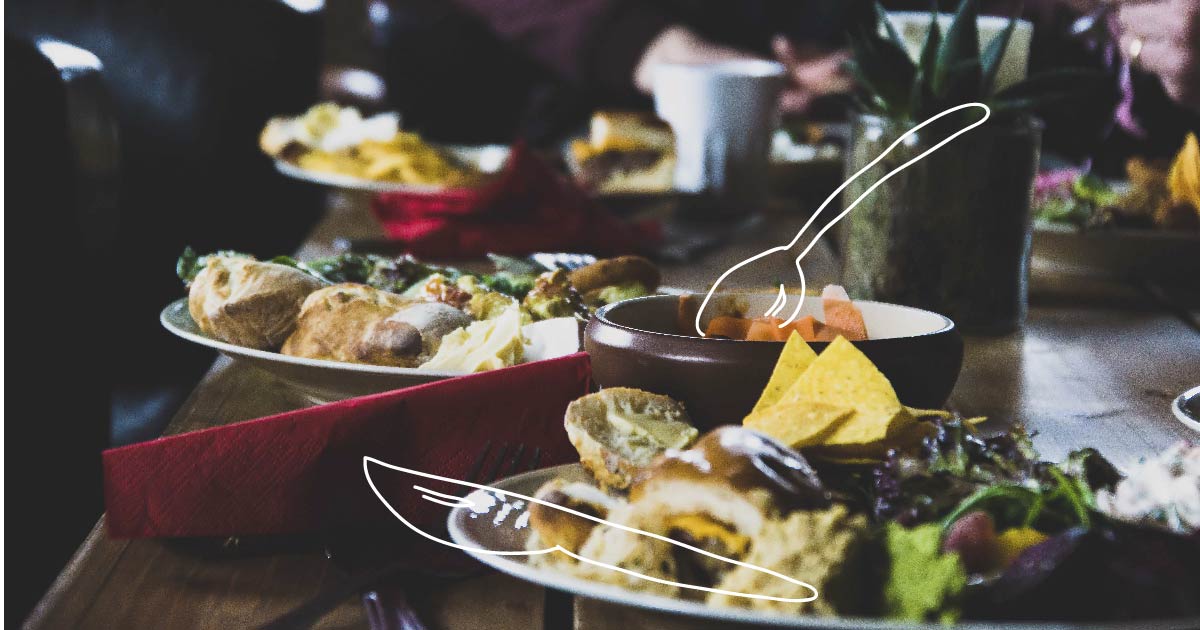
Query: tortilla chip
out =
(842, 376)
(799, 424)
(921, 413)
(793, 361)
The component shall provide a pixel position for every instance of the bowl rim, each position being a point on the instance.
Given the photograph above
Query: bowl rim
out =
(601, 316)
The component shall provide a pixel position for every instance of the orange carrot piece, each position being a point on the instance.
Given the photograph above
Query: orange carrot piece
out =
(725, 326)
(806, 327)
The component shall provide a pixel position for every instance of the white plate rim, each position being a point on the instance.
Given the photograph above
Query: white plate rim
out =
(527, 483)
(349, 182)
(166, 318)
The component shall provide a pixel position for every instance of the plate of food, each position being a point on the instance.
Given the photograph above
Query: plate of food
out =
(351, 324)
(835, 505)
(337, 146)
(1147, 226)
(629, 155)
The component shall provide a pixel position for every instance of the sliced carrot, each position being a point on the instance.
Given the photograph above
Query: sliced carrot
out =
(826, 332)
(842, 314)
(725, 326)
(806, 327)
(766, 329)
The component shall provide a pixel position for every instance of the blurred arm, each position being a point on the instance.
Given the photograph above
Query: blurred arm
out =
(594, 43)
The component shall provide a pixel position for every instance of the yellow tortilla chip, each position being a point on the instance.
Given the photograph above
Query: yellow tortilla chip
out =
(799, 424)
(937, 413)
(842, 376)
(793, 361)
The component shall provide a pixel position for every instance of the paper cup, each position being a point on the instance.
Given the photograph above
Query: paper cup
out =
(723, 115)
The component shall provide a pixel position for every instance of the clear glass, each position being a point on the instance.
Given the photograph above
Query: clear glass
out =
(950, 233)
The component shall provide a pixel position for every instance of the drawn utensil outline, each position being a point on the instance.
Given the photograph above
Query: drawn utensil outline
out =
(466, 503)
(778, 306)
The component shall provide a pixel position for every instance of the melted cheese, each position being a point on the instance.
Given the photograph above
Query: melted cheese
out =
(701, 527)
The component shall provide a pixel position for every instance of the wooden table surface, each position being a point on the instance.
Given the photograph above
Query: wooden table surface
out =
(1096, 365)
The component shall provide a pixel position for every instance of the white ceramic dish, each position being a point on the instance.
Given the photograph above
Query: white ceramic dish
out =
(480, 531)
(488, 159)
(324, 381)
(1184, 407)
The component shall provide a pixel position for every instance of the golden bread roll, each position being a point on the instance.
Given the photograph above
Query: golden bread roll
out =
(619, 430)
(352, 323)
(558, 527)
(616, 271)
(249, 303)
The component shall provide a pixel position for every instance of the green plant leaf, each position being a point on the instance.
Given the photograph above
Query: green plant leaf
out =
(889, 28)
(994, 54)
(884, 70)
(1058, 79)
(921, 97)
(955, 77)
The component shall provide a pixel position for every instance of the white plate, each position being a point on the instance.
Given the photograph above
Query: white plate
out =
(478, 531)
(487, 159)
(323, 380)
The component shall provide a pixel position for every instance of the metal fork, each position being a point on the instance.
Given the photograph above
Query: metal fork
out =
(390, 609)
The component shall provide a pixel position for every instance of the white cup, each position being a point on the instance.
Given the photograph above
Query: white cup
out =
(913, 27)
(723, 115)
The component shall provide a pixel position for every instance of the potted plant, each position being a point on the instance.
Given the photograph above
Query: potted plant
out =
(951, 232)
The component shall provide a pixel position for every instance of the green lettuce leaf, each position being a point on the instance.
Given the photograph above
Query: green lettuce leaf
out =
(924, 583)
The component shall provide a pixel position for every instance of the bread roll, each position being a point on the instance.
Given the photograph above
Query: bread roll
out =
(619, 430)
(248, 303)
(352, 323)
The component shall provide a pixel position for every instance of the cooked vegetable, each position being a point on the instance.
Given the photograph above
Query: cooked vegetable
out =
(553, 296)
(190, 264)
(1110, 572)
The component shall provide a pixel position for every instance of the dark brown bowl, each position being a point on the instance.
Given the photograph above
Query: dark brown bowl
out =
(636, 343)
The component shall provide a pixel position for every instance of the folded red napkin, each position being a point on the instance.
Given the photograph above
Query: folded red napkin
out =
(302, 471)
(529, 208)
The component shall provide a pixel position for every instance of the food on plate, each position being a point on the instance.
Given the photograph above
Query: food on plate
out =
(842, 319)
(398, 311)
(1183, 179)
(615, 279)
(825, 548)
(569, 531)
(618, 431)
(245, 302)
(950, 525)
(1160, 195)
(484, 345)
(925, 582)
(552, 296)
(332, 139)
(1163, 490)
(627, 152)
(736, 494)
(353, 323)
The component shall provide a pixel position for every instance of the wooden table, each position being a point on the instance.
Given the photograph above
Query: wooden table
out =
(1096, 365)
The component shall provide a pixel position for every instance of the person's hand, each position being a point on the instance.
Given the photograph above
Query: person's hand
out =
(813, 74)
(1163, 37)
(678, 44)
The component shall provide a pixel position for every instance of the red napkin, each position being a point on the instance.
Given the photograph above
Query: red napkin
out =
(530, 208)
(302, 471)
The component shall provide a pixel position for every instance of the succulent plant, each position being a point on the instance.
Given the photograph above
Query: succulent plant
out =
(949, 71)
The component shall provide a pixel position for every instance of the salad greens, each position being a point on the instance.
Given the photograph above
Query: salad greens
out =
(924, 583)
